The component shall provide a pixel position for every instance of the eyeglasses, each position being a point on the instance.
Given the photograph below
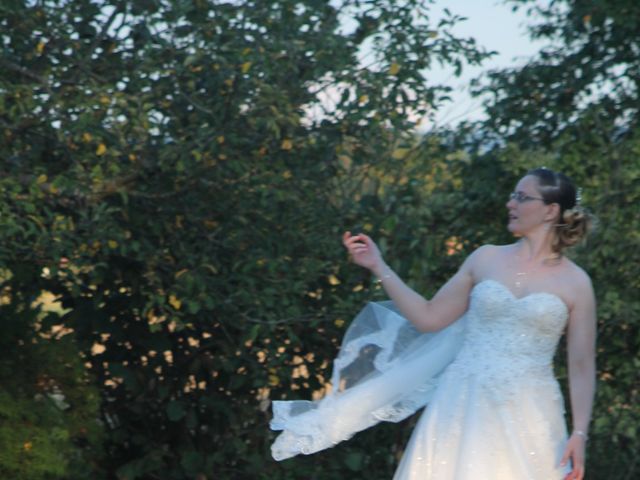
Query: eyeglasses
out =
(521, 197)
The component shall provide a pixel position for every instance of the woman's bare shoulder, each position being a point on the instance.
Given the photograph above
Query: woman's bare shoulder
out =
(578, 281)
(484, 256)
(576, 275)
(489, 251)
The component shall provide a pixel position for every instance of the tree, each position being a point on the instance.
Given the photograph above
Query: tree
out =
(173, 175)
(584, 82)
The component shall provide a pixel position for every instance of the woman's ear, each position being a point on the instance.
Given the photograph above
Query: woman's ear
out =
(553, 213)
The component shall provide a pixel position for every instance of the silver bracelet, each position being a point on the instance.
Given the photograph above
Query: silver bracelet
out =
(582, 434)
(383, 277)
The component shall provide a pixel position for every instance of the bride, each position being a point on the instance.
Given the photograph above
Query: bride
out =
(495, 411)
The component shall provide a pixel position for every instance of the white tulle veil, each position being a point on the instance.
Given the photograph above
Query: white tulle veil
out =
(385, 371)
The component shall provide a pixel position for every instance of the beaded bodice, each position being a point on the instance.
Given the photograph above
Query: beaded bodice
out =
(509, 339)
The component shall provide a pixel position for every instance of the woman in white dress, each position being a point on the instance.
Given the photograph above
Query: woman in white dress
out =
(495, 411)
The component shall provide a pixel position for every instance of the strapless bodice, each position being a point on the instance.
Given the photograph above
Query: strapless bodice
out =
(510, 339)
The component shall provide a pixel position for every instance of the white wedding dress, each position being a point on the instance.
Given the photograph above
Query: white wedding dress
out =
(494, 408)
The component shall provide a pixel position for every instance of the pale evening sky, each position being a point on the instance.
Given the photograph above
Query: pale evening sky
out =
(495, 27)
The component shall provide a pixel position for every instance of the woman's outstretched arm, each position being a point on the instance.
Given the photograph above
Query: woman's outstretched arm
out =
(447, 305)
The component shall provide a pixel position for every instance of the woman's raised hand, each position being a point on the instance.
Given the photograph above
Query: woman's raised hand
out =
(363, 251)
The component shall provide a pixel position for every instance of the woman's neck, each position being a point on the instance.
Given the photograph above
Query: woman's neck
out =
(536, 248)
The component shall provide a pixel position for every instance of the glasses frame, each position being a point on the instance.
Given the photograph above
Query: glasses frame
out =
(523, 197)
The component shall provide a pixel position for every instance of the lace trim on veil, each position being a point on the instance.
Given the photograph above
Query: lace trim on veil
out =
(385, 371)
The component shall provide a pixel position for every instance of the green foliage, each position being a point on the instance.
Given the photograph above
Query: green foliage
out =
(49, 409)
(183, 170)
(585, 77)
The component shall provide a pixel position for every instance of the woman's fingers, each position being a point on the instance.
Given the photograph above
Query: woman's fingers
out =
(359, 251)
(574, 452)
(366, 239)
(354, 245)
(349, 240)
(578, 467)
(577, 470)
(362, 250)
(565, 457)
(572, 475)
(575, 474)
(345, 237)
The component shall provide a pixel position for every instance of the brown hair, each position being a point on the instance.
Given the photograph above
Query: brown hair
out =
(574, 222)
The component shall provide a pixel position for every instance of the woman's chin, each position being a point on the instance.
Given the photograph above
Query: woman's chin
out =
(514, 229)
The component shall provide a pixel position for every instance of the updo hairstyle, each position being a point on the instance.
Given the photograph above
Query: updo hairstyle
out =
(574, 222)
